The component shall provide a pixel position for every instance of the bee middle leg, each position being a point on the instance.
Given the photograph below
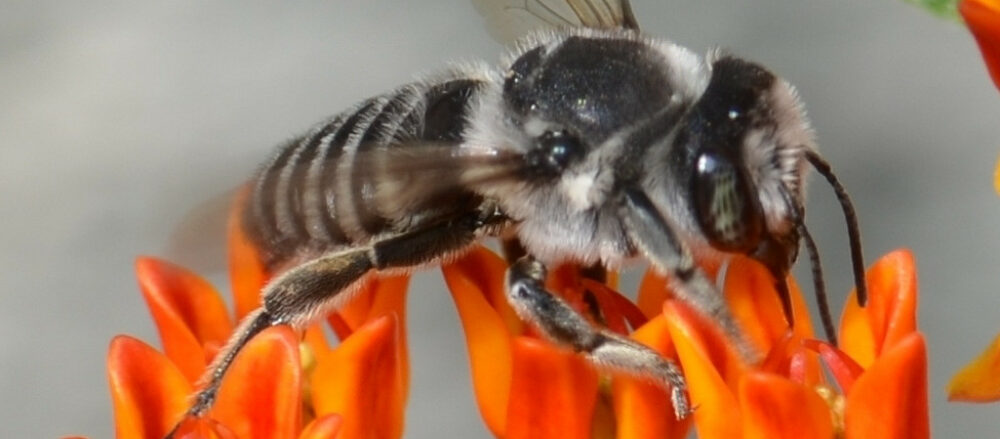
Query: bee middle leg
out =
(564, 326)
(311, 289)
(662, 246)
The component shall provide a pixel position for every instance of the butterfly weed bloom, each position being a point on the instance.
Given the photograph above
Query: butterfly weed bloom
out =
(285, 384)
(527, 388)
(983, 19)
(282, 384)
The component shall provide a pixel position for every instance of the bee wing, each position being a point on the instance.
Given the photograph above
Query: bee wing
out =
(508, 20)
(406, 177)
(198, 241)
(417, 176)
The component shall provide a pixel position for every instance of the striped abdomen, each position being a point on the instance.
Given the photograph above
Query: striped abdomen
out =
(318, 192)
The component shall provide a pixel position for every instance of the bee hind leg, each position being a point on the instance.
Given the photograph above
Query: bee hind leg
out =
(318, 286)
(564, 326)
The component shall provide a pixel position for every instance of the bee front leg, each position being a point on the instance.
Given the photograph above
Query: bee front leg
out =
(562, 325)
(649, 231)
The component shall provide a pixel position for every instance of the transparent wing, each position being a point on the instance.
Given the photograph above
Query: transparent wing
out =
(411, 177)
(508, 20)
(408, 177)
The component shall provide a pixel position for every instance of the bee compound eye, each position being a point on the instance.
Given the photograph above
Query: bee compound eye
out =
(725, 203)
(559, 149)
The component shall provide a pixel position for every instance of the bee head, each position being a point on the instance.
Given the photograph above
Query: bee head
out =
(745, 143)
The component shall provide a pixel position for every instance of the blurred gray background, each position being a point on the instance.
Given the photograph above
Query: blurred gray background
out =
(117, 118)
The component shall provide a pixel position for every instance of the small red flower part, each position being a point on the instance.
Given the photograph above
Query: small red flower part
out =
(983, 19)
(528, 388)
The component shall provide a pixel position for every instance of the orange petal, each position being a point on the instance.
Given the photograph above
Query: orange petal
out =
(260, 396)
(188, 312)
(552, 393)
(892, 306)
(703, 353)
(790, 358)
(857, 338)
(843, 368)
(361, 381)
(356, 311)
(643, 409)
(202, 428)
(754, 301)
(890, 399)
(488, 271)
(653, 291)
(323, 427)
(617, 308)
(486, 337)
(978, 381)
(390, 298)
(148, 393)
(247, 273)
(983, 18)
(774, 407)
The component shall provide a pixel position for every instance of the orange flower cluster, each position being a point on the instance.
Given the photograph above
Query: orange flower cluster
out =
(529, 389)
(287, 385)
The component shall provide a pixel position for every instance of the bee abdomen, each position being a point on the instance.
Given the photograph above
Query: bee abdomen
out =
(318, 192)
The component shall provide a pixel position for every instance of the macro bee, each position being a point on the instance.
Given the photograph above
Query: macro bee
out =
(592, 143)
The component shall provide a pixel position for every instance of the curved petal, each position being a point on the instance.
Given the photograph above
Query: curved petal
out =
(355, 312)
(978, 381)
(703, 354)
(775, 407)
(653, 291)
(754, 301)
(643, 409)
(202, 428)
(617, 309)
(148, 393)
(361, 381)
(260, 396)
(843, 368)
(890, 399)
(790, 358)
(891, 313)
(552, 393)
(488, 272)
(188, 312)
(247, 273)
(390, 299)
(891, 309)
(323, 427)
(487, 339)
(983, 18)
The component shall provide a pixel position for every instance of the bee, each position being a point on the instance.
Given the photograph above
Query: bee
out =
(592, 143)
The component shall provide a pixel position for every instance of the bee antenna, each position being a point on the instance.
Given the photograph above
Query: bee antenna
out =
(853, 230)
(819, 284)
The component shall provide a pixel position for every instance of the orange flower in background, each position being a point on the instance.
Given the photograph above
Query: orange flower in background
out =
(983, 19)
(527, 388)
(979, 381)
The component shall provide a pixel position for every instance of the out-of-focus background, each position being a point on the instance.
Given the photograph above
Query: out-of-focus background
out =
(117, 118)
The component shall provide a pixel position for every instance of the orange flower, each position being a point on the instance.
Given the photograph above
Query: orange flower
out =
(983, 18)
(282, 384)
(979, 381)
(528, 388)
